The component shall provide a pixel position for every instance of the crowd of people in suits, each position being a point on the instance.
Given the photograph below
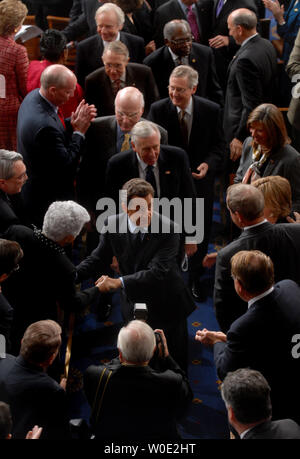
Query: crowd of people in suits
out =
(165, 97)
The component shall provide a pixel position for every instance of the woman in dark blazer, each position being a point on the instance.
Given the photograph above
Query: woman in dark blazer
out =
(13, 71)
(267, 151)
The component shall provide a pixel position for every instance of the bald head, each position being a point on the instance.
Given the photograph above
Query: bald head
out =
(129, 107)
(242, 24)
(58, 84)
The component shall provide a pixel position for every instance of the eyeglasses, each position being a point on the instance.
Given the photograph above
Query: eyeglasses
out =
(114, 66)
(179, 90)
(131, 116)
(182, 41)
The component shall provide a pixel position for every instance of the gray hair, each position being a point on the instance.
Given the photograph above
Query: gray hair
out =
(136, 341)
(116, 47)
(7, 161)
(112, 7)
(245, 199)
(64, 218)
(143, 129)
(247, 392)
(55, 75)
(244, 18)
(172, 26)
(185, 71)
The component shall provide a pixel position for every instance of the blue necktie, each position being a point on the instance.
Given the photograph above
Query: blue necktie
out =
(219, 7)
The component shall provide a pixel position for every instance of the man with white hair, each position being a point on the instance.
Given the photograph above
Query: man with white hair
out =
(138, 402)
(110, 20)
(107, 136)
(50, 145)
(12, 178)
(46, 276)
(102, 85)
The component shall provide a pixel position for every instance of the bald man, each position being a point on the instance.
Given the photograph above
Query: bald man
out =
(51, 146)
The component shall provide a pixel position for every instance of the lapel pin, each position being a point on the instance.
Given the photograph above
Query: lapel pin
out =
(167, 172)
(193, 60)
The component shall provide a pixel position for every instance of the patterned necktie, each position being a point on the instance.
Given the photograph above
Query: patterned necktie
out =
(116, 85)
(151, 179)
(191, 17)
(219, 7)
(184, 127)
(126, 143)
(61, 117)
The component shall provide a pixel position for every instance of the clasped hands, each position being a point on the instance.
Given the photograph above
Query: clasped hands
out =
(107, 284)
(83, 116)
(209, 338)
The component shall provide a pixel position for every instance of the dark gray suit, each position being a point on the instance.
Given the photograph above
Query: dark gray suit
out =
(98, 88)
(251, 82)
(126, 412)
(262, 339)
(284, 429)
(101, 140)
(150, 274)
(89, 53)
(281, 242)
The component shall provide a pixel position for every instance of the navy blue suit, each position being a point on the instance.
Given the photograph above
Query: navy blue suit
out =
(51, 154)
(281, 242)
(261, 339)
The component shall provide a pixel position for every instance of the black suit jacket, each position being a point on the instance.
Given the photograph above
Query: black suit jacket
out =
(151, 275)
(206, 138)
(89, 53)
(172, 10)
(85, 24)
(284, 429)
(126, 412)
(98, 88)
(174, 173)
(281, 242)
(261, 339)
(251, 82)
(34, 399)
(7, 214)
(51, 154)
(101, 140)
(201, 58)
(218, 26)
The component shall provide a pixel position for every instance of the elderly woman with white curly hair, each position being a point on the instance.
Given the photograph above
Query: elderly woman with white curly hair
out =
(46, 277)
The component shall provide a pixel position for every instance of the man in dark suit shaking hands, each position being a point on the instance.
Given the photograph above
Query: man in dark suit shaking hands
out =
(147, 264)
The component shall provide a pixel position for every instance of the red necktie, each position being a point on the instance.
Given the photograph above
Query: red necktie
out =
(191, 17)
(61, 117)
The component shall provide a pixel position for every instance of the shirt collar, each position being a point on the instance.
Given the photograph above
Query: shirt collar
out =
(257, 224)
(105, 43)
(143, 164)
(259, 297)
(188, 109)
(55, 108)
(248, 39)
(135, 229)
